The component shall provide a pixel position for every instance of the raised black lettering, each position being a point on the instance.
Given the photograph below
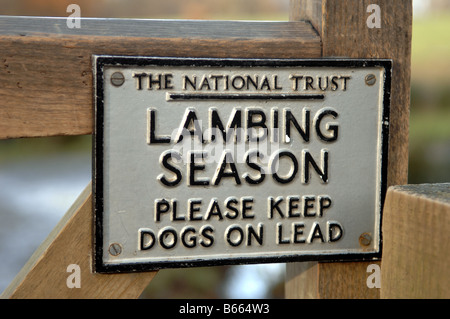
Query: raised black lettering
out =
(320, 84)
(231, 203)
(258, 236)
(161, 206)
(308, 160)
(309, 80)
(324, 203)
(151, 127)
(297, 231)
(227, 160)
(247, 206)
(174, 212)
(238, 82)
(334, 83)
(293, 205)
(295, 81)
(265, 84)
(290, 118)
(238, 238)
(191, 125)
(192, 82)
(308, 205)
(214, 210)
(216, 79)
(139, 77)
(164, 160)
(192, 167)
(275, 83)
(275, 129)
(206, 232)
(274, 205)
(191, 241)
(205, 84)
(146, 239)
(275, 159)
(232, 128)
(256, 118)
(345, 82)
(248, 178)
(280, 239)
(168, 81)
(335, 231)
(316, 233)
(156, 81)
(253, 82)
(193, 208)
(168, 238)
(333, 129)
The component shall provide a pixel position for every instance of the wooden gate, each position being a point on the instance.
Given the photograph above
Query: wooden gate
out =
(47, 90)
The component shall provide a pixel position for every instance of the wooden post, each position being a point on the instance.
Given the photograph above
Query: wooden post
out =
(342, 26)
(416, 228)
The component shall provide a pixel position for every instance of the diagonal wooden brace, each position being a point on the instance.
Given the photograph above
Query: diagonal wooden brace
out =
(45, 274)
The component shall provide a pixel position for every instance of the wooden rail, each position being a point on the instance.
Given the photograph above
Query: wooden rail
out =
(46, 78)
(416, 249)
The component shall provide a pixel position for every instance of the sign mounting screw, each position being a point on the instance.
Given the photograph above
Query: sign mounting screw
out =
(365, 239)
(371, 79)
(115, 249)
(117, 79)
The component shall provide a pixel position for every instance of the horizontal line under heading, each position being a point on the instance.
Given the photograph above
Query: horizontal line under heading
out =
(241, 96)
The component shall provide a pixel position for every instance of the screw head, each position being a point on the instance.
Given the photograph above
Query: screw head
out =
(365, 239)
(117, 79)
(115, 249)
(371, 79)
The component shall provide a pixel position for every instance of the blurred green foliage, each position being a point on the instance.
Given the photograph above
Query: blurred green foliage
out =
(24, 148)
(429, 136)
(203, 282)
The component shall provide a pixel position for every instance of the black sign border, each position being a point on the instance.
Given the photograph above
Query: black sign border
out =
(100, 61)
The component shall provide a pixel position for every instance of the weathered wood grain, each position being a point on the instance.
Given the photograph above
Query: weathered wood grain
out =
(46, 76)
(310, 11)
(342, 26)
(416, 228)
(45, 274)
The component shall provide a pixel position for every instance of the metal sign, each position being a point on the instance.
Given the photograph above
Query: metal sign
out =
(203, 162)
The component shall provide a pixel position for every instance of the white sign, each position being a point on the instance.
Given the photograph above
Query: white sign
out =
(203, 162)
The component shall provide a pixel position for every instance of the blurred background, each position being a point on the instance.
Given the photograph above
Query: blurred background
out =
(41, 177)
